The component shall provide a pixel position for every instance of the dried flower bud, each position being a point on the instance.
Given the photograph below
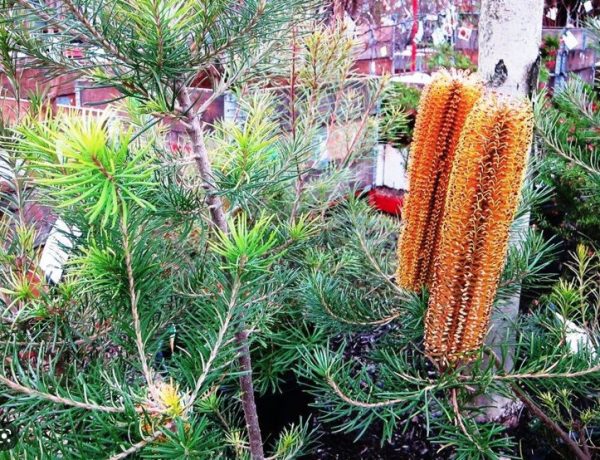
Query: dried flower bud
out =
(445, 104)
(483, 195)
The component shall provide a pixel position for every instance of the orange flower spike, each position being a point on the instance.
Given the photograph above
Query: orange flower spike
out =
(483, 195)
(444, 106)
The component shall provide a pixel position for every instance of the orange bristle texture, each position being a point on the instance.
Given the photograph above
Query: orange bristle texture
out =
(443, 109)
(483, 195)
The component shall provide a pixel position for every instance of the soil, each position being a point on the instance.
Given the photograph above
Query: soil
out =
(412, 445)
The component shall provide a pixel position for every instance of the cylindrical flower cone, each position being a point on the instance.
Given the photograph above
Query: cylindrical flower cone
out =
(483, 195)
(443, 109)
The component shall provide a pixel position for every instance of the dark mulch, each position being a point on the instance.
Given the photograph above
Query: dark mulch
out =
(411, 445)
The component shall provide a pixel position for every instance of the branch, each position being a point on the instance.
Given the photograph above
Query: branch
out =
(551, 424)
(83, 340)
(260, 10)
(134, 310)
(366, 405)
(137, 446)
(377, 322)
(92, 30)
(196, 133)
(376, 266)
(548, 375)
(558, 149)
(538, 412)
(218, 343)
(458, 416)
(59, 399)
(225, 84)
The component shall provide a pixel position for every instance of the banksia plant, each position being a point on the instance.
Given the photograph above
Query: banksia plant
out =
(483, 194)
(443, 109)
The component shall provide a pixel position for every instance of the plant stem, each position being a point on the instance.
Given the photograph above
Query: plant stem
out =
(15, 386)
(138, 446)
(551, 424)
(539, 413)
(200, 156)
(248, 403)
(139, 340)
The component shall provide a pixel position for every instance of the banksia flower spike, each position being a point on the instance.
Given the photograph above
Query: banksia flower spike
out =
(483, 194)
(445, 104)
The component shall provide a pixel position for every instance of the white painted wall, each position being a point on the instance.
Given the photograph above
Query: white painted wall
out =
(390, 169)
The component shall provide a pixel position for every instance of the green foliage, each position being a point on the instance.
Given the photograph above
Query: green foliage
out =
(293, 442)
(78, 159)
(249, 162)
(446, 56)
(158, 47)
(560, 345)
(138, 344)
(481, 441)
(243, 249)
(568, 126)
(391, 381)
(398, 107)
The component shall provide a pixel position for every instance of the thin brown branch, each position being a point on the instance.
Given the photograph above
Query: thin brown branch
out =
(203, 164)
(200, 156)
(539, 413)
(227, 83)
(551, 424)
(458, 416)
(548, 375)
(95, 33)
(583, 441)
(247, 396)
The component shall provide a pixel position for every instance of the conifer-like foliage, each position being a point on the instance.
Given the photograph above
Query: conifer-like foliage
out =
(569, 125)
(98, 352)
(392, 379)
(180, 265)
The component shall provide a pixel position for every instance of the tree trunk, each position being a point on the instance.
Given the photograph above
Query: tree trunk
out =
(510, 33)
(200, 155)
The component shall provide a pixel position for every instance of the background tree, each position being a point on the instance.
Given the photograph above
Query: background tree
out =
(510, 34)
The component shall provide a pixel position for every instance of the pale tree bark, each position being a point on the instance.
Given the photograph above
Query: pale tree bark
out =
(510, 33)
